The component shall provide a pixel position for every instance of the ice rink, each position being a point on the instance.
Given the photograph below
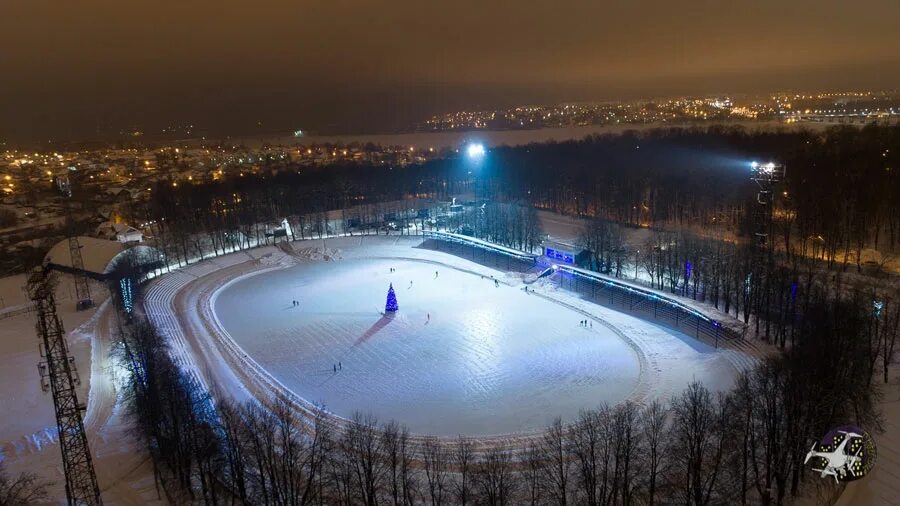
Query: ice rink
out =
(461, 356)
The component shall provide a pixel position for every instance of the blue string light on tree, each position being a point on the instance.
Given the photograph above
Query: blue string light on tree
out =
(127, 295)
(391, 305)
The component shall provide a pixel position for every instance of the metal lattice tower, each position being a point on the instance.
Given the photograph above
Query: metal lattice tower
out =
(766, 176)
(59, 376)
(82, 289)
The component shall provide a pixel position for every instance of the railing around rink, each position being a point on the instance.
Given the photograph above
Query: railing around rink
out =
(645, 304)
(479, 251)
(642, 303)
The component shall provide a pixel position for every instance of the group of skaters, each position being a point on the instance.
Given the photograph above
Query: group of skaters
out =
(337, 367)
(392, 269)
(296, 303)
(586, 323)
(496, 282)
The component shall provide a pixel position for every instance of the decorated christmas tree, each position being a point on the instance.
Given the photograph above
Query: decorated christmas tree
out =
(391, 305)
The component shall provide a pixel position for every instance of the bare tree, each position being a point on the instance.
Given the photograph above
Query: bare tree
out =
(495, 479)
(697, 444)
(364, 445)
(591, 452)
(25, 489)
(555, 448)
(435, 459)
(463, 457)
(654, 428)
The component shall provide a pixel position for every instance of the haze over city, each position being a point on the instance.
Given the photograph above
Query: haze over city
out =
(87, 70)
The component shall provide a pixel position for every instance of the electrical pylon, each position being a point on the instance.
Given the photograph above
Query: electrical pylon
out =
(59, 376)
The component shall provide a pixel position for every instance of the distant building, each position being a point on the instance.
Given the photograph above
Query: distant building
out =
(119, 232)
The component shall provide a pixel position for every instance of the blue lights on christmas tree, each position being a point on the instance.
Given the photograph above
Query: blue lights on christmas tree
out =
(391, 305)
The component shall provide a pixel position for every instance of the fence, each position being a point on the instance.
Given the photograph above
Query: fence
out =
(16, 312)
(644, 304)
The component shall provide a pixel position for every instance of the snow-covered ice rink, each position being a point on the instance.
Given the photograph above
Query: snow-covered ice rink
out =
(461, 356)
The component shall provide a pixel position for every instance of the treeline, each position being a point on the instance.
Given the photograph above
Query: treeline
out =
(744, 446)
(841, 184)
(841, 193)
(689, 187)
(767, 288)
(515, 225)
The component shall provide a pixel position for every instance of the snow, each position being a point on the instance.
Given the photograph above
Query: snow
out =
(28, 437)
(96, 254)
(489, 361)
(477, 366)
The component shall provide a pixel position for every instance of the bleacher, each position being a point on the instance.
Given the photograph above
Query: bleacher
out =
(476, 250)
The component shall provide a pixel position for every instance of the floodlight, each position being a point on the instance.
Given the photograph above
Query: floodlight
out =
(475, 150)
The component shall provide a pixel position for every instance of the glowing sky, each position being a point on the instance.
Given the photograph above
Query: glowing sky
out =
(71, 68)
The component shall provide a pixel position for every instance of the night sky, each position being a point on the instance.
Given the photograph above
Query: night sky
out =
(82, 69)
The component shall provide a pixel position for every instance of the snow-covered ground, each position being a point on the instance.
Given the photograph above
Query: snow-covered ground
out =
(489, 360)
(461, 355)
(28, 437)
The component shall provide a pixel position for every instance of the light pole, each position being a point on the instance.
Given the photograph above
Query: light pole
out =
(475, 153)
(766, 176)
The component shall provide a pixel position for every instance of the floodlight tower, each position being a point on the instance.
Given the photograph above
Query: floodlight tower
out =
(766, 176)
(59, 376)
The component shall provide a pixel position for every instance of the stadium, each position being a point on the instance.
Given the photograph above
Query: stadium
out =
(488, 342)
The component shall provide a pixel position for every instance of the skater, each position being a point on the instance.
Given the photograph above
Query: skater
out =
(435, 274)
(334, 367)
(410, 283)
(428, 315)
(592, 323)
(340, 366)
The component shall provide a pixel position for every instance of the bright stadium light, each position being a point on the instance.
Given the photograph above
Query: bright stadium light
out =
(475, 151)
